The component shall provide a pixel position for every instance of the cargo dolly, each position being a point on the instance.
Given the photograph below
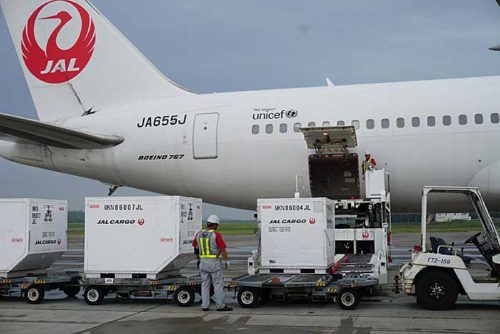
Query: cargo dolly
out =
(344, 289)
(33, 288)
(183, 289)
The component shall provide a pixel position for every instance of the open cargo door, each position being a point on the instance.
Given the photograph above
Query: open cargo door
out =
(333, 169)
(331, 138)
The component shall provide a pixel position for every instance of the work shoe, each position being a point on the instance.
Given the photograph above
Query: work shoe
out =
(225, 308)
(206, 309)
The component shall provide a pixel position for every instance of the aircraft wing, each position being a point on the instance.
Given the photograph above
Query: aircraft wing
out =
(28, 131)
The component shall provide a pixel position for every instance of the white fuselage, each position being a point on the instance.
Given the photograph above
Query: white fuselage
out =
(215, 155)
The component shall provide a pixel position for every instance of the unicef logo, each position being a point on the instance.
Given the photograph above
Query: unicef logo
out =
(292, 113)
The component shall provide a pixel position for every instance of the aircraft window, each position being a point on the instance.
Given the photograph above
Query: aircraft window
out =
(296, 127)
(494, 118)
(269, 128)
(311, 124)
(326, 123)
(462, 119)
(400, 122)
(431, 121)
(370, 124)
(283, 127)
(355, 123)
(340, 123)
(478, 118)
(384, 123)
(415, 122)
(255, 129)
(446, 120)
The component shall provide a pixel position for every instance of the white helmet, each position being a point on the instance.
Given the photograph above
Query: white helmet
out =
(213, 219)
(367, 152)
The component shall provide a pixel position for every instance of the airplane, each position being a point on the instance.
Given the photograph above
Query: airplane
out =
(106, 113)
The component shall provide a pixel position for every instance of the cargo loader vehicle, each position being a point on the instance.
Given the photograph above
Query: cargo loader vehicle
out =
(362, 202)
(363, 231)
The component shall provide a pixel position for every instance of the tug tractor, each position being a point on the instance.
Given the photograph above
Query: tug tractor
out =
(436, 275)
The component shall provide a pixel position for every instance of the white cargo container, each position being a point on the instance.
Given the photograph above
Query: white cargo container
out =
(375, 184)
(32, 235)
(297, 234)
(139, 236)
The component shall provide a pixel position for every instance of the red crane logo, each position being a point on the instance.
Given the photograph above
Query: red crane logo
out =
(56, 65)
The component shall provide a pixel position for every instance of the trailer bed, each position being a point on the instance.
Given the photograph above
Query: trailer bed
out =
(283, 280)
(33, 287)
(316, 287)
(182, 288)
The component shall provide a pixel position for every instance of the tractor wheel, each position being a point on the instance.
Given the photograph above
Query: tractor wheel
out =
(436, 290)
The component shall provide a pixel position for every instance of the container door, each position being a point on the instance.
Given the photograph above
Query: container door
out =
(205, 136)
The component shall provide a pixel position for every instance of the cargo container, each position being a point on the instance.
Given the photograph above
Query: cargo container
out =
(32, 235)
(297, 235)
(296, 255)
(139, 237)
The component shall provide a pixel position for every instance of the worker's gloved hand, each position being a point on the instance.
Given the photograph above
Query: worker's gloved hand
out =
(198, 264)
(227, 264)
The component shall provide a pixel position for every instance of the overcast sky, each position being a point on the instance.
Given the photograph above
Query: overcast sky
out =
(216, 46)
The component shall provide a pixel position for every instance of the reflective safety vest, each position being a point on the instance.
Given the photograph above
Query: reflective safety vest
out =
(366, 164)
(207, 244)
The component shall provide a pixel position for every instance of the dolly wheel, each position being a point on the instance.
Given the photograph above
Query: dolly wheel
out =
(93, 295)
(184, 296)
(348, 299)
(248, 298)
(35, 294)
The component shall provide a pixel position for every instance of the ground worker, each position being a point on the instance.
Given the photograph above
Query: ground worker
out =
(369, 163)
(209, 246)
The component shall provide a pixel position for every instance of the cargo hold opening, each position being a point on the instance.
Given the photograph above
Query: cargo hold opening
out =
(333, 169)
(334, 176)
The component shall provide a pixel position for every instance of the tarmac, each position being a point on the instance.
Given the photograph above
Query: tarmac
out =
(384, 313)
